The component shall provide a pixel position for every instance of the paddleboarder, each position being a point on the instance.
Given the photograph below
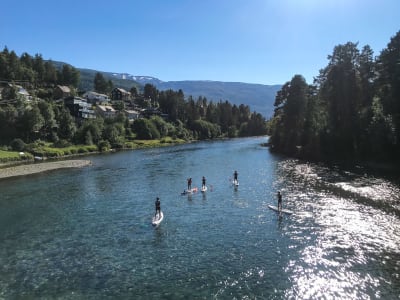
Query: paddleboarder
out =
(279, 200)
(203, 182)
(189, 182)
(158, 207)
(235, 177)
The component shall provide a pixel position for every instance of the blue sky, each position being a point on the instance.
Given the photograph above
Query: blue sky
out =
(253, 41)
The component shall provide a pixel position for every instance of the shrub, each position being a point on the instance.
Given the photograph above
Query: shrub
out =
(104, 146)
(18, 145)
(62, 143)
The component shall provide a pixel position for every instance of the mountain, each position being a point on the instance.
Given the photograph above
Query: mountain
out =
(87, 80)
(258, 97)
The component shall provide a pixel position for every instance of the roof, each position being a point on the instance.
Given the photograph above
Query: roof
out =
(122, 90)
(64, 88)
(95, 94)
(106, 108)
(131, 111)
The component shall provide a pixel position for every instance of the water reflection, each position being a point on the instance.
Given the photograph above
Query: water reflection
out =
(347, 235)
(87, 233)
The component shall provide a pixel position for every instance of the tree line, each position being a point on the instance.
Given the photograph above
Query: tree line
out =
(34, 71)
(45, 120)
(350, 112)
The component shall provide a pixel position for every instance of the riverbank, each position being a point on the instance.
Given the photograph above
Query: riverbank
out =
(28, 169)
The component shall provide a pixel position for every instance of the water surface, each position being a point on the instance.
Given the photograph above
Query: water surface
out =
(87, 233)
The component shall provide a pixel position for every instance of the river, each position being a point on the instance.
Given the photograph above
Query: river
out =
(87, 234)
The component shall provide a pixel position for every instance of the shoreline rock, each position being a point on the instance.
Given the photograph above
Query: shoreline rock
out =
(28, 169)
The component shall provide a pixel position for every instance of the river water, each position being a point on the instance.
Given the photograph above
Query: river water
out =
(87, 234)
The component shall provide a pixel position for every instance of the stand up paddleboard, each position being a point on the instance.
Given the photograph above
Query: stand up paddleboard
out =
(203, 189)
(189, 192)
(285, 211)
(157, 219)
(235, 183)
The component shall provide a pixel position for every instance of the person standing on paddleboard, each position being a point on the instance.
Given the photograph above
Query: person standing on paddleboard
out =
(158, 206)
(203, 182)
(189, 182)
(279, 201)
(235, 177)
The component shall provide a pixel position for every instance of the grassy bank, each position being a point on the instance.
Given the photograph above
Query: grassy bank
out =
(139, 144)
(48, 151)
(14, 156)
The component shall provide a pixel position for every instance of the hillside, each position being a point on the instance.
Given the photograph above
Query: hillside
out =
(258, 97)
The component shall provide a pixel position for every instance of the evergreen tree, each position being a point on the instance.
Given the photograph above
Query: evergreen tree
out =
(30, 122)
(290, 112)
(49, 122)
(341, 91)
(388, 89)
(151, 93)
(66, 125)
(100, 84)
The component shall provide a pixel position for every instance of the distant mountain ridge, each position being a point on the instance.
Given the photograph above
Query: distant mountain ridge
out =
(258, 97)
(139, 79)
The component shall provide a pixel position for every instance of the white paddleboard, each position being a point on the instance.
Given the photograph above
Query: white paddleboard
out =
(275, 208)
(189, 192)
(235, 183)
(157, 219)
(204, 189)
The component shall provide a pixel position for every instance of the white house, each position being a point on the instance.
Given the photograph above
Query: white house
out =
(132, 115)
(106, 111)
(94, 97)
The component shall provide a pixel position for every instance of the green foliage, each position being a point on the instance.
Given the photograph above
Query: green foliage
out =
(205, 130)
(30, 122)
(90, 132)
(145, 129)
(51, 151)
(291, 102)
(101, 85)
(10, 156)
(17, 145)
(352, 111)
(164, 128)
(66, 125)
(43, 122)
(8, 119)
(87, 81)
(150, 92)
(104, 146)
(115, 134)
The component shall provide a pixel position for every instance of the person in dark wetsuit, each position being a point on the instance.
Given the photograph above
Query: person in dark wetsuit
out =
(189, 182)
(279, 201)
(203, 182)
(235, 177)
(158, 207)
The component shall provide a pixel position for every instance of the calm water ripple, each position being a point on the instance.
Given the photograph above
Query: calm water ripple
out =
(86, 233)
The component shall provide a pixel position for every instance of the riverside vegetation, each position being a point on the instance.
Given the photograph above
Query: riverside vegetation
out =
(44, 127)
(350, 113)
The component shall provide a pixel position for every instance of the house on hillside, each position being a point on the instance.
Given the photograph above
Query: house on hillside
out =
(132, 115)
(152, 111)
(105, 111)
(79, 108)
(12, 91)
(120, 94)
(61, 91)
(96, 98)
